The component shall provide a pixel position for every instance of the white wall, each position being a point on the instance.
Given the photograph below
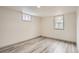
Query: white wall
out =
(13, 29)
(77, 28)
(69, 32)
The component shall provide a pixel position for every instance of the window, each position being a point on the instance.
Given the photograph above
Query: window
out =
(59, 22)
(26, 17)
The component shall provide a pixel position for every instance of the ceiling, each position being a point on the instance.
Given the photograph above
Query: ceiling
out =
(44, 10)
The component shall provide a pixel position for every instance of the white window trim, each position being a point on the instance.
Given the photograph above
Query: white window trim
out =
(24, 15)
(55, 23)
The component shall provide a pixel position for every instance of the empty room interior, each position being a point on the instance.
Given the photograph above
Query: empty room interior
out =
(39, 29)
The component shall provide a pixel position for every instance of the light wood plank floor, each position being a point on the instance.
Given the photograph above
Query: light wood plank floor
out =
(41, 45)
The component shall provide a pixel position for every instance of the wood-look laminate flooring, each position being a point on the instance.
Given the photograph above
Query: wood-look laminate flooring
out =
(41, 45)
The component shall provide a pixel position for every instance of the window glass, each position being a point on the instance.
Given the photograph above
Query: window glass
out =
(59, 22)
(26, 17)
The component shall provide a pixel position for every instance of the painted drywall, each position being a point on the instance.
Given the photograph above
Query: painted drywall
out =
(69, 32)
(77, 32)
(13, 29)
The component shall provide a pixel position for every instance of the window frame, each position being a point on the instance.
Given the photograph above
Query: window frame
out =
(55, 23)
(27, 16)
